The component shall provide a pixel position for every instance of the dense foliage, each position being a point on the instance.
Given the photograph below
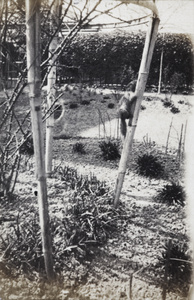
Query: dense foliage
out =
(115, 58)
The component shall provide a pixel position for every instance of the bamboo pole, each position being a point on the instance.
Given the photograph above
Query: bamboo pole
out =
(161, 67)
(51, 88)
(34, 82)
(140, 87)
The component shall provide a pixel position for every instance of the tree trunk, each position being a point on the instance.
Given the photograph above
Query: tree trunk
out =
(51, 88)
(140, 87)
(34, 82)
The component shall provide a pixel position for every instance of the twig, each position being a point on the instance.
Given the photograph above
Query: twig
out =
(168, 136)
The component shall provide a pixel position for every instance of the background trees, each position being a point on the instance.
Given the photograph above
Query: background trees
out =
(115, 58)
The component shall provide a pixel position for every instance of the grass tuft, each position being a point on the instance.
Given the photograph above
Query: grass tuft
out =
(110, 150)
(149, 166)
(79, 148)
(171, 194)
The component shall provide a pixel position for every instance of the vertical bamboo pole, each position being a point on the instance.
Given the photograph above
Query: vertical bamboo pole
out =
(51, 88)
(140, 87)
(161, 66)
(34, 82)
(160, 74)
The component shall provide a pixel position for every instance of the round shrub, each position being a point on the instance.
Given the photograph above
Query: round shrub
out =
(172, 193)
(149, 166)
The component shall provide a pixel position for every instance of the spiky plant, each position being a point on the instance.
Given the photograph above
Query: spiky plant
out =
(149, 166)
(110, 150)
(172, 193)
(179, 266)
(79, 148)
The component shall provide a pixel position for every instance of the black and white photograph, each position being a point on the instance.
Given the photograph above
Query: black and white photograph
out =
(97, 149)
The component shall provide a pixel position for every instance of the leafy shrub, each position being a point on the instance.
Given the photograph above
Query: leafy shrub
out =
(110, 150)
(179, 268)
(79, 148)
(174, 110)
(73, 105)
(149, 166)
(172, 193)
(111, 105)
(27, 147)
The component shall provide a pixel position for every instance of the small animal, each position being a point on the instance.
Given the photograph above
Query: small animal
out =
(126, 109)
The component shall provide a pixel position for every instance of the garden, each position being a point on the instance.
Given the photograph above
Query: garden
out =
(139, 250)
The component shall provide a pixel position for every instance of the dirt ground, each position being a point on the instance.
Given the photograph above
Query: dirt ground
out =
(126, 267)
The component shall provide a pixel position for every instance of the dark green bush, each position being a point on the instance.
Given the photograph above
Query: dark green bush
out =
(110, 150)
(171, 194)
(149, 166)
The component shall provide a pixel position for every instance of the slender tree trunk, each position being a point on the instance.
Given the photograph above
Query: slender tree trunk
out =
(140, 87)
(34, 82)
(51, 88)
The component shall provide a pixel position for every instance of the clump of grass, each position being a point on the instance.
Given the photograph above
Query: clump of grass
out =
(167, 103)
(111, 105)
(171, 194)
(73, 105)
(174, 109)
(73, 180)
(27, 148)
(79, 148)
(22, 246)
(179, 266)
(149, 166)
(110, 150)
